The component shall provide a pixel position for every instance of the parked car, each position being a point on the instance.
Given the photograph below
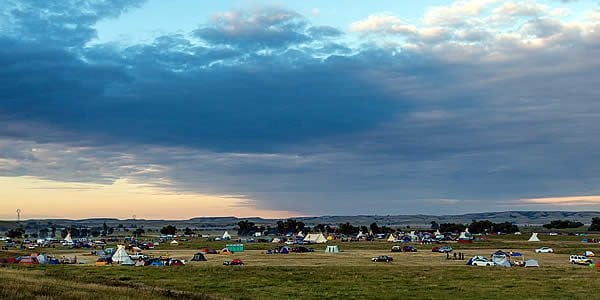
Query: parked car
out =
(382, 258)
(544, 250)
(443, 249)
(235, 262)
(580, 260)
(409, 249)
(396, 248)
(482, 262)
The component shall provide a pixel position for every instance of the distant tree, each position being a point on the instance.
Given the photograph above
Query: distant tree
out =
(169, 230)
(435, 225)
(481, 226)
(347, 229)
(320, 228)
(104, 229)
(595, 226)
(374, 228)
(15, 233)
(506, 227)
(44, 233)
(290, 225)
(452, 227)
(188, 231)
(562, 224)
(95, 233)
(53, 231)
(139, 232)
(246, 227)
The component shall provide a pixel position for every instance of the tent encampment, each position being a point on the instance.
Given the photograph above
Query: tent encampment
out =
(391, 238)
(531, 263)
(534, 237)
(332, 249)
(121, 257)
(226, 236)
(315, 238)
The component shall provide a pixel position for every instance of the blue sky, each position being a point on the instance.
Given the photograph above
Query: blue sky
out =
(299, 108)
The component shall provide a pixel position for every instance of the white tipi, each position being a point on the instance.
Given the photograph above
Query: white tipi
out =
(300, 234)
(534, 237)
(121, 257)
(391, 238)
(226, 236)
(68, 240)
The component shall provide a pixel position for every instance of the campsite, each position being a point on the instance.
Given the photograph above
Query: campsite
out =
(335, 269)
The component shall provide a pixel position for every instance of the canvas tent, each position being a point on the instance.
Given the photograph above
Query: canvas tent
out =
(121, 257)
(534, 237)
(360, 235)
(391, 238)
(199, 257)
(68, 239)
(174, 243)
(531, 263)
(300, 234)
(225, 251)
(226, 236)
(501, 261)
(315, 238)
(332, 249)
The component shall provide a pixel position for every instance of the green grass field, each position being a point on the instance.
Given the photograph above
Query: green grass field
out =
(350, 274)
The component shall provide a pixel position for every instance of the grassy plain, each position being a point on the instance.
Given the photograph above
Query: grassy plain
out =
(350, 274)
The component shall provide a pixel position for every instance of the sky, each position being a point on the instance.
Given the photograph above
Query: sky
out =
(180, 109)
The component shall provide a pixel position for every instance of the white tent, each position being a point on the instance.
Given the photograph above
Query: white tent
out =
(332, 249)
(300, 234)
(437, 232)
(174, 243)
(531, 263)
(534, 237)
(226, 236)
(391, 238)
(360, 235)
(276, 240)
(501, 261)
(316, 238)
(121, 257)
(68, 239)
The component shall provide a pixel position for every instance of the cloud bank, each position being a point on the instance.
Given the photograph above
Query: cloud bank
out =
(480, 102)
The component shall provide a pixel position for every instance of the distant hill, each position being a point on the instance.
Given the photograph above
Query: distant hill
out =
(522, 218)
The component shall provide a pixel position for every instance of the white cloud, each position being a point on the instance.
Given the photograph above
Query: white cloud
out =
(382, 23)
